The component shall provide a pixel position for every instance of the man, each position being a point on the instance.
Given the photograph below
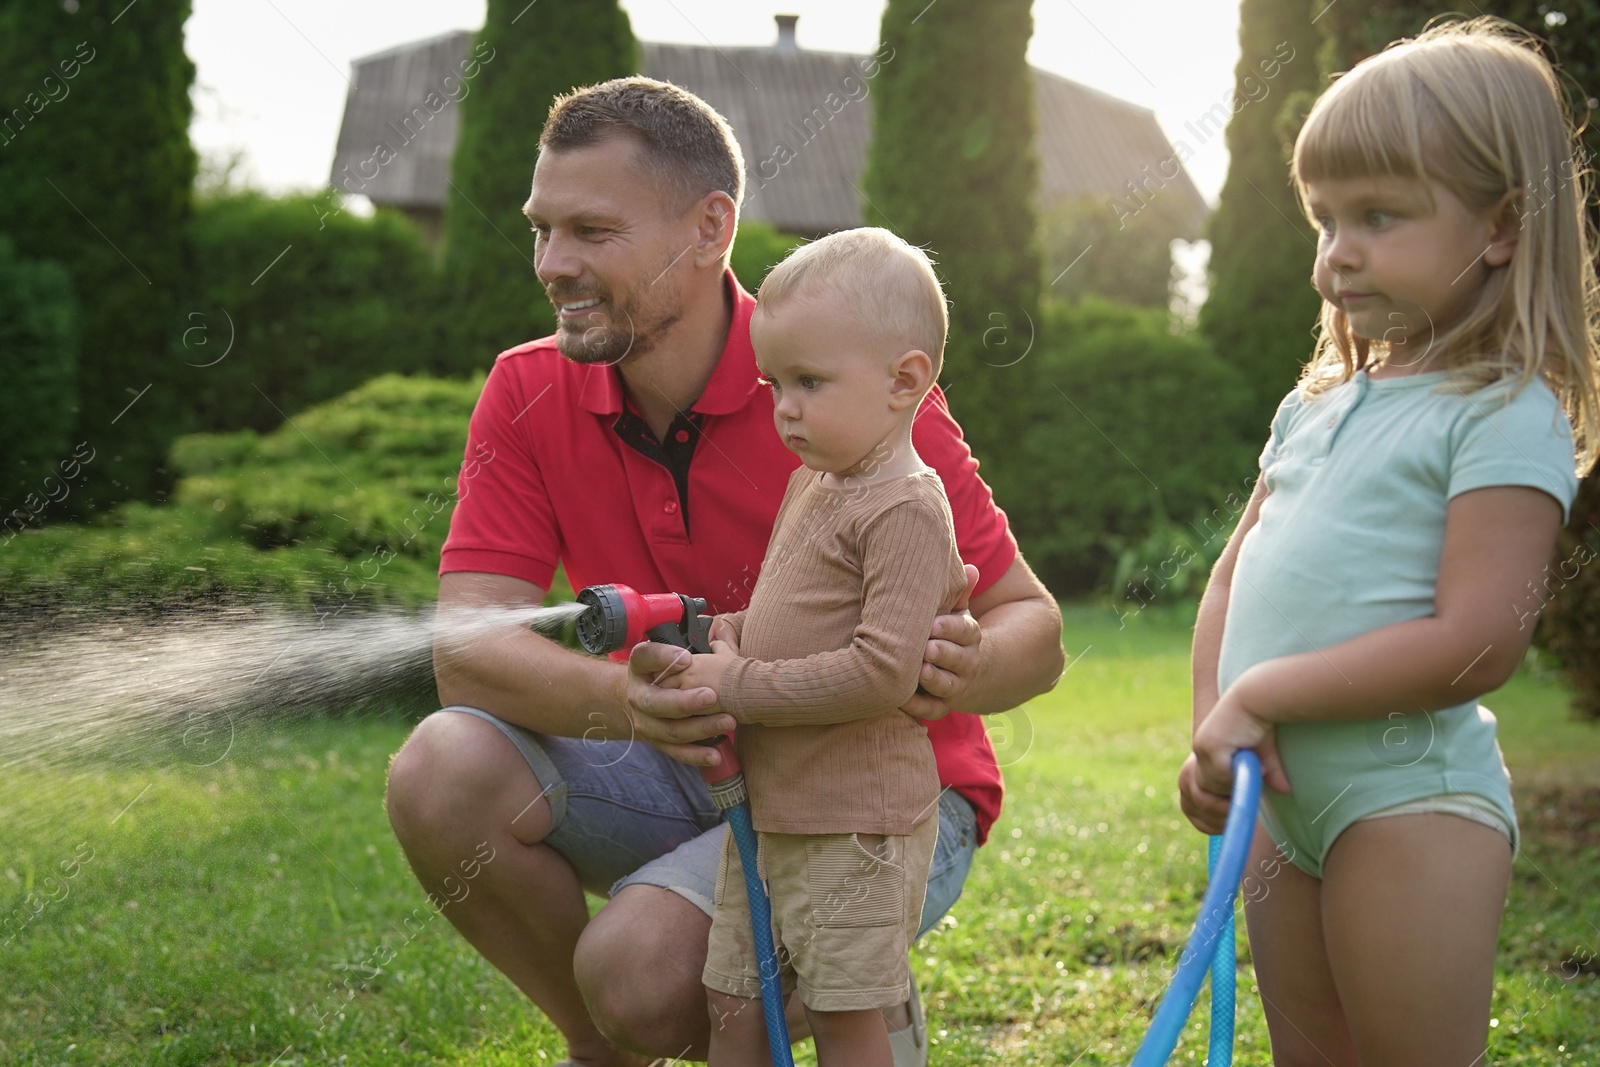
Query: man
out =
(636, 447)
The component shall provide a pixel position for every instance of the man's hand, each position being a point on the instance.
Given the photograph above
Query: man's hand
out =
(950, 661)
(672, 719)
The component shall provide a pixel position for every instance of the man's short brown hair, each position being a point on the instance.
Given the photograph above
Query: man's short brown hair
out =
(687, 145)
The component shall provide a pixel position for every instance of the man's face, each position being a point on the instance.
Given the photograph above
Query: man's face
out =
(612, 257)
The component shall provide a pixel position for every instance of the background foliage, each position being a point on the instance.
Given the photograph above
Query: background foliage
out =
(274, 516)
(952, 167)
(488, 256)
(1111, 444)
(38, 334)
(112, 210)
(350, 299)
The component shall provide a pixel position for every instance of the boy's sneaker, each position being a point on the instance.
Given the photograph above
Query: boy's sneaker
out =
(910, 1046)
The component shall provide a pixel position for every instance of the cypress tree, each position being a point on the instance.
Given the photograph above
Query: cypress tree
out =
(952, 167)
(97, 170)
(1353, 31)
(1571, 626)
(36, 403)
(1261, 309)
(529, 54)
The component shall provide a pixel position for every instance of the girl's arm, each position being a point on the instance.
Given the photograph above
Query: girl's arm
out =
(1214, 609)
(1497, 543)
(1205, 809)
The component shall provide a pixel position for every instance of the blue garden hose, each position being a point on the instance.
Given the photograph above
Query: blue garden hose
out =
(729, 794)
(1207, 948)
(1223, 962)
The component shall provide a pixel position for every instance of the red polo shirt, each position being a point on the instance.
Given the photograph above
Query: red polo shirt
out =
(559, 468)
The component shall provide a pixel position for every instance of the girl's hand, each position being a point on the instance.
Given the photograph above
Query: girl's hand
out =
(1230, 727)
(1205, 810)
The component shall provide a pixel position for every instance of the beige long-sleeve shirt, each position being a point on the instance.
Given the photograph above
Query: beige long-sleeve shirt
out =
(831, 646)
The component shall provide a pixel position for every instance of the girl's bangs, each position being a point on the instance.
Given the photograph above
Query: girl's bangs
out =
(1366, 126)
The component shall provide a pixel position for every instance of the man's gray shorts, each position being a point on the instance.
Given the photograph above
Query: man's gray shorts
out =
(622, 814)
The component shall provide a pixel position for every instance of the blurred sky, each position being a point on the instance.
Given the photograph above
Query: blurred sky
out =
(272, 74)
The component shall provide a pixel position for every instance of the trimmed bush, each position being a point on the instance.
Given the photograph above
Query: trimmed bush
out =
(1130, 431)
(952, 168)
(1261, 309)
(312, 301)
(757, 248)
(1570, 627)
(348, 507)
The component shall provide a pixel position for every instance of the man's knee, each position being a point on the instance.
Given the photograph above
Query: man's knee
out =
(638, 965)
(453, 772)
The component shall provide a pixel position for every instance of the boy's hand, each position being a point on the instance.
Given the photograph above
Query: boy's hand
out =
(1230, 727)
(722, 631)
(702, 671)
(665, 716)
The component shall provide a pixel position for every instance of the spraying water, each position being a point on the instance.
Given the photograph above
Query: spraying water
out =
(91, 682)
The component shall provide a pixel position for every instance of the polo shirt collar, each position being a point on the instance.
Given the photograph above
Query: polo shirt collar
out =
(732, 382)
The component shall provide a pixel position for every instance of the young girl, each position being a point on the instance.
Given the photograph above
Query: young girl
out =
(1380, 578)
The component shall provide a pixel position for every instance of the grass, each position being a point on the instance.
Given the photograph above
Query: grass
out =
(252, 907)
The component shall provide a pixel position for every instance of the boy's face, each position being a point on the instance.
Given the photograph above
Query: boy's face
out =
(830, 386)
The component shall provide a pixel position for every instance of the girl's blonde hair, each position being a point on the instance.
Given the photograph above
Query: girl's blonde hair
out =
(1475, 106)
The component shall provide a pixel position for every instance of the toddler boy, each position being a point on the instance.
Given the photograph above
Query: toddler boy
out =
(849, 334)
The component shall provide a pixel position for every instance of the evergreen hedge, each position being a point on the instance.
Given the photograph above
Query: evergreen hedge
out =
(344, 509)
(1262, 309)
(1129, 436)
(291, 305)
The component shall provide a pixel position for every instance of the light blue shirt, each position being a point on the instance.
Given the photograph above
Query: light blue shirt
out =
(1360, 478)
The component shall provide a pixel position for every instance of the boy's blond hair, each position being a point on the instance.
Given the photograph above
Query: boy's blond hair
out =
(888, 284)
(1474, 106)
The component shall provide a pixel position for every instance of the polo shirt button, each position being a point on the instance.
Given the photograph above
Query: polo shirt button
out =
(1332, 421)
(682, 436)
(671, 507)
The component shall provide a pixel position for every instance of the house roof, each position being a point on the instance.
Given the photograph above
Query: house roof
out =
(1090, 144)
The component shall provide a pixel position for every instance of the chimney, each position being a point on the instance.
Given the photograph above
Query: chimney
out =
(786, 24)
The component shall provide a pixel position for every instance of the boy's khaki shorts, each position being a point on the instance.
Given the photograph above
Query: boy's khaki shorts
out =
(845, 910)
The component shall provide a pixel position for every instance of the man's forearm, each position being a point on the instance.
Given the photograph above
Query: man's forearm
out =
(524, 678)
(1021, 655)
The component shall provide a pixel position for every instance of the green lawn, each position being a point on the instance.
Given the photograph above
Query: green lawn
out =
(256, 909)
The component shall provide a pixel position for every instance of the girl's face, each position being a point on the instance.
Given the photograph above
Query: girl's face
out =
(1401, 270)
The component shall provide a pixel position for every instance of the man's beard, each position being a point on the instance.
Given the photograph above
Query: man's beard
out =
(629, 326)
(606, 344)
